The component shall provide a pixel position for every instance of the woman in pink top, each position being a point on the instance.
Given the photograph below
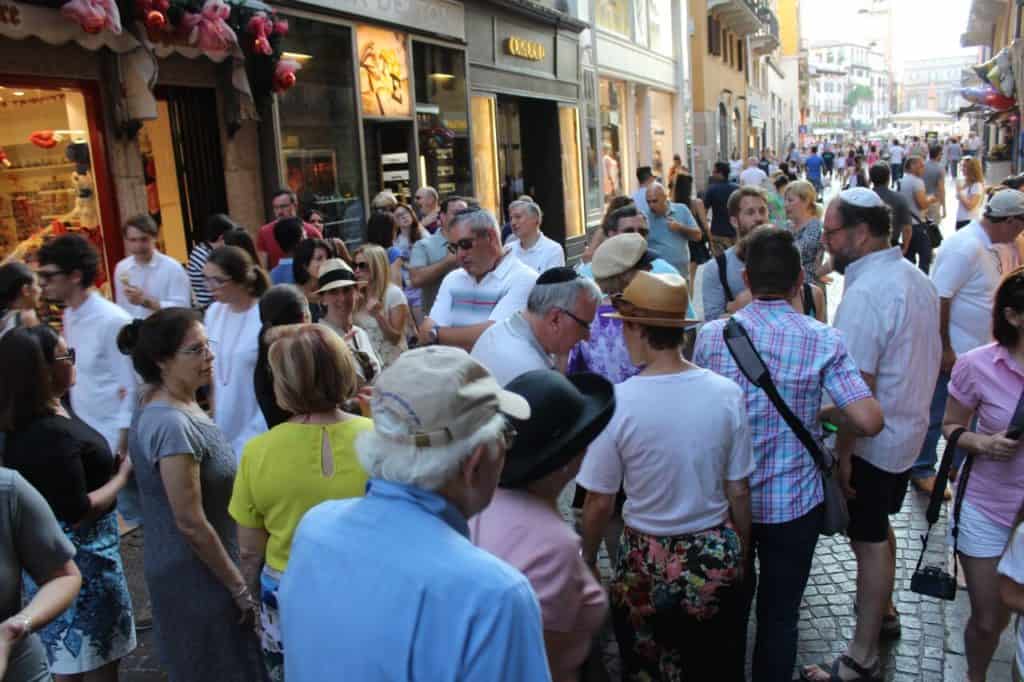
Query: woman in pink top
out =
(523, 526)
(987, 383)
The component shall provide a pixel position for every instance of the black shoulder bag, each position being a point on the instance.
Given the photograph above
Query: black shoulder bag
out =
(837, 516)
(935, 581)
(723, 276)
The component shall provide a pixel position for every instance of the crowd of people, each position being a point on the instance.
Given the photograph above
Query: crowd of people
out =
(357, 460)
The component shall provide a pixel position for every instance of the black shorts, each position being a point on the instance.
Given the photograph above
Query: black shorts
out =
(879, 494)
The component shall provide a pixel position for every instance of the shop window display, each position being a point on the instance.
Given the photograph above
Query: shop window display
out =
(319, 133)
(47, 182)
(612, 95)
(441, 118)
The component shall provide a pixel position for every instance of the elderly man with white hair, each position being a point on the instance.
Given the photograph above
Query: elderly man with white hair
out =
(389, 586)
(752, 174)
(488, 287)
(558, 315)
(530, 245)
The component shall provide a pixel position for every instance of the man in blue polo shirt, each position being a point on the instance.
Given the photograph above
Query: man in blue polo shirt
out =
(814, 164)
(671, 227)
(389, 586)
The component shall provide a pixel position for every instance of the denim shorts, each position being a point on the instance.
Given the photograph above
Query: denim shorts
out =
(980, 537)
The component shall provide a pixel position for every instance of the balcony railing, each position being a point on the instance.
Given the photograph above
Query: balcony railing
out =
(767, 37)
(738, 16)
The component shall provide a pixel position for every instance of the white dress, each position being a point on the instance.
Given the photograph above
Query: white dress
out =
(387, 351)
(235, 338)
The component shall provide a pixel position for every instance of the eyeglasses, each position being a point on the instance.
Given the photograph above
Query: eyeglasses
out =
(47, 275)
(199, 348)
(215, 282)
(827, 234)
(585, 325)
(461, 245)
(508, 436)
(69, 356)
(362, 265)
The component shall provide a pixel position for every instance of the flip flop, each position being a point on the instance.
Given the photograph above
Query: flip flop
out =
(872, 674)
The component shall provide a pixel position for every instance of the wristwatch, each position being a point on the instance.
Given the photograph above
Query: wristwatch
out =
(433, 335)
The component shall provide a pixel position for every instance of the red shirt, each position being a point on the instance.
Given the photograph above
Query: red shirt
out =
(266, 243)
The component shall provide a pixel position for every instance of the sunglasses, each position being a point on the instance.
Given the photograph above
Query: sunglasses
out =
(362, 265)
(461, 245)
(642, 231)
(69, 356)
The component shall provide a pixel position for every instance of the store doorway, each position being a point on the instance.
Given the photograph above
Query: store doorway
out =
(182, 166)
(529, 158)
(389, 147)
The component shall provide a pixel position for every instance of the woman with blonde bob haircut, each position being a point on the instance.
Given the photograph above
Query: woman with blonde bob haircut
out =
(296, 465)
(805, 224)
(384, 309)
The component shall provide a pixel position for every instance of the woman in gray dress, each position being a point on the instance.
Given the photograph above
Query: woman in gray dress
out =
(203, 612)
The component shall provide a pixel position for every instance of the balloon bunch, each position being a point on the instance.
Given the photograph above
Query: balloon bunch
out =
(988, 96)
(220, 26)
(93, 15)
(998, 72)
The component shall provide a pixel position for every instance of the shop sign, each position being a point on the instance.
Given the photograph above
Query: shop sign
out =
(525, 49)
(443, 17)
(383, 72)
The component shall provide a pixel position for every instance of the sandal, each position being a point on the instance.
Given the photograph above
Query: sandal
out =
(872, 674)
(890, 627)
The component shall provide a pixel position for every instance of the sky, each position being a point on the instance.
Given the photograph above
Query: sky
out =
(935, 25)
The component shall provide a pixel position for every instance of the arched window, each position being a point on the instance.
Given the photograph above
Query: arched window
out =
(722, 134)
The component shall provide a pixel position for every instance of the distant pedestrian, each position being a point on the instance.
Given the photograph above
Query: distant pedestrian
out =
(934, 177)
(716, 200)
(20, 294)
(970, 193)
(212, 237)
(288, 234)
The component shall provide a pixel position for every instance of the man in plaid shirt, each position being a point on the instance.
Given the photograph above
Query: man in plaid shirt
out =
(805, 358)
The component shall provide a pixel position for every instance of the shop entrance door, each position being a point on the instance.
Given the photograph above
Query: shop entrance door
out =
(182, 166)
(390, 146)
(529, 158)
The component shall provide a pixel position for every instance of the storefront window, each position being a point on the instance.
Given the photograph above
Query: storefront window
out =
(441, 118)
(659, 17)
(613, 15)
(572, 182)
(46, 170)
(595, 199)
(612, 96)
(319, 135)
(485, 159)
(662, 140)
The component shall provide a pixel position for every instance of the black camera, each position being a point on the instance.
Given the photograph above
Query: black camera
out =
(932, 581)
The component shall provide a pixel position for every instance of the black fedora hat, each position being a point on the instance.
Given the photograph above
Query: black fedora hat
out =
(567, 413)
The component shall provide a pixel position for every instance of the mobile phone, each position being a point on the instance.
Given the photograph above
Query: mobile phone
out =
(829, 426)
(1015, 433)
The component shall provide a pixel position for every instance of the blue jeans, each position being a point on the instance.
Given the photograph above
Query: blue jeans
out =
(129, 504)
(785, 551)
(924, 467)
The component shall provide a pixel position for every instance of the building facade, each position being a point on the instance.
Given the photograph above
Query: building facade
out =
(849, 85)
(728, 117)
(934, 84)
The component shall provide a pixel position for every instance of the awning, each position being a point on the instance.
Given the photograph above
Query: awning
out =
(20, 20)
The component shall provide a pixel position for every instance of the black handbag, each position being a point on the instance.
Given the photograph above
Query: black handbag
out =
(931, 230)
(837, 516)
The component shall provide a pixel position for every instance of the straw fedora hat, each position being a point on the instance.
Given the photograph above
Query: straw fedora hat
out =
(654, 300)
(335, 274)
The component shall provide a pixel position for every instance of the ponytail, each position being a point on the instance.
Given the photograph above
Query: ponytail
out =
(257, 282)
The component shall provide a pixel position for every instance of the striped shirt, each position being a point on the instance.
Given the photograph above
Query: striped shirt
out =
(196, 262)
(804, 357)
(462, 301)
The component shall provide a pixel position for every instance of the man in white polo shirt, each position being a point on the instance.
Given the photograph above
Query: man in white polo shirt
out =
(558, 315)
(966, 274)
(530, 245)
(488, 287)
(147, 280)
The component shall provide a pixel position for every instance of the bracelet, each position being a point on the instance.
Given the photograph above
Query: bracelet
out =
(236, 595)
(26, 622)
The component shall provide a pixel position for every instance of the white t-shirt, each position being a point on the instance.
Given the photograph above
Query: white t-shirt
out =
(509, 349)
(386, 350)
(544, 254)
(672, 456)
(235, 338)
(1012, 566)
(975, 213)
(462, 301)
(896, 154)
(753, 176)
(967, 271)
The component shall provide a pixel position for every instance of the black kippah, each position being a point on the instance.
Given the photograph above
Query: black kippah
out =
(557, 275)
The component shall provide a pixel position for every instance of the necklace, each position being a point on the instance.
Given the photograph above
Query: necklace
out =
(224, 361)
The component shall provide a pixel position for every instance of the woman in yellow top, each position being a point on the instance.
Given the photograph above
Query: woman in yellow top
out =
(297, 464)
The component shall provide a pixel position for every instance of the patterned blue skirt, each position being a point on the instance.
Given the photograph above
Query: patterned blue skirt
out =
(98, 628)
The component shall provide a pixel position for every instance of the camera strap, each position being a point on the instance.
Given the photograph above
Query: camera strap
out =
(935, 502)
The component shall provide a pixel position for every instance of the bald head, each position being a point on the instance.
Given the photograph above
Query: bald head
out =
(657, 199)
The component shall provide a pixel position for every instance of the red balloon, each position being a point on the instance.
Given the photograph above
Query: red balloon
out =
(155, 20)
(286, 80)
(999, 101)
